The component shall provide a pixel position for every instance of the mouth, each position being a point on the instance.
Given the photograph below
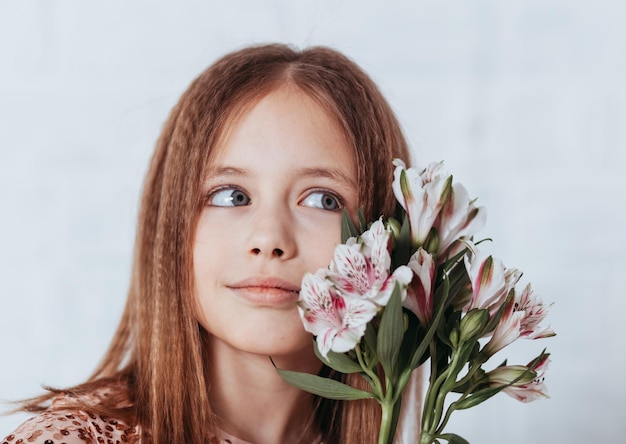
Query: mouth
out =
(267, 291)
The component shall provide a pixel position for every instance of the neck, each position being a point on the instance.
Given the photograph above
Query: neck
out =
(251, 400)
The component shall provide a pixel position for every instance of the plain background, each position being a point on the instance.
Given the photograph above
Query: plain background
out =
(525, 100)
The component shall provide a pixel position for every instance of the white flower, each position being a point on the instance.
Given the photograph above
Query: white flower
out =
(491, 281)
(360, 268)
(420, 194)
(338, 322)
(459, 218)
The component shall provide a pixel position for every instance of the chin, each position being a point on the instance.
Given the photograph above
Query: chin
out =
(282, 347)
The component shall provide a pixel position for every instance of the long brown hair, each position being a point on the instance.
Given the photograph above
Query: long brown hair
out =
(159, 349)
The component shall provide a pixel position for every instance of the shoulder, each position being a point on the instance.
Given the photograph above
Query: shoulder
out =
(72, 427)
(72, 419)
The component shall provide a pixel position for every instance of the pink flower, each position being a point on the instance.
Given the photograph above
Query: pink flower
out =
(337, 321)
(420, 292)
(529, 387)
(534, 313)
(420, 194)
(431, 200)
(360, 268)
(507, 330)
(521, 318)
(491, 281)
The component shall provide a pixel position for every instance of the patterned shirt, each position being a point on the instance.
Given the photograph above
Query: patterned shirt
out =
(61, 423)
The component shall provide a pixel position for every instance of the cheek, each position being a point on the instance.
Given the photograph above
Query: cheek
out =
(206, 265)
(321, 240)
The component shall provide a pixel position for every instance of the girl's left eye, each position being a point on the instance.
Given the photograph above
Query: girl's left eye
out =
(323, 201)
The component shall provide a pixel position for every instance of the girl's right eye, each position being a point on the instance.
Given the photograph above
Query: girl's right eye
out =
(228, 197)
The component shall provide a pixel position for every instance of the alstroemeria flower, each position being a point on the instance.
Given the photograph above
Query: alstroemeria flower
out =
(338, 322)
(420, 194)
(507, 330)
(534, 313)
(420, 292)
(491, 280)
(528, 388)
(459, 218)
(360, 268)
(521, 318)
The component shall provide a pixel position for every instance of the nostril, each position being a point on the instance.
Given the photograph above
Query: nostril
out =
(277, 252)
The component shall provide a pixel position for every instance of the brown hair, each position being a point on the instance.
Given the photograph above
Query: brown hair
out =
(159, 347)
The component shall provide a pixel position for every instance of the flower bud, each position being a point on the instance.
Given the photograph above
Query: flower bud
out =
(511, 374)
(394, 226)
(454, 338)
(472, 324)
(431, 244)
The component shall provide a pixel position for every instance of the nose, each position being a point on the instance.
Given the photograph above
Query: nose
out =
(272, 234)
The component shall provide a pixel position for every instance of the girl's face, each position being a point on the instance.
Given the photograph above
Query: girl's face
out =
(274, 197)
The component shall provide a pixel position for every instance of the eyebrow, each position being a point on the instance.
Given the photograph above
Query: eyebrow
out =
(226, 171)
(331, 173)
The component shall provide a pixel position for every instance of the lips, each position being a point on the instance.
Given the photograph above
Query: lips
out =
(268, 291)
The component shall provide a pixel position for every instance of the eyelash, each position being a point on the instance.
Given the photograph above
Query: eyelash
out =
(341, 202)
(211, 194)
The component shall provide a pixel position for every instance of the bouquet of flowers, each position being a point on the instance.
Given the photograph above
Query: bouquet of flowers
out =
(397, 294)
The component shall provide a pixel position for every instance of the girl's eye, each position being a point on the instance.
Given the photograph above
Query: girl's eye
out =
(228, 197)
(323, 201)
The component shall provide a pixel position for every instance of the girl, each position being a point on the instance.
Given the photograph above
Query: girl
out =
(244, 195)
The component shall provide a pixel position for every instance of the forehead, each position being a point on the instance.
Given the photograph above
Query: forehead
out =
(284, 122)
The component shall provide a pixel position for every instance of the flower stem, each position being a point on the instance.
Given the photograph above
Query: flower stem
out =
(377, 387)
(425, 438)
(385, 422)
(474, 366)
(429, 415)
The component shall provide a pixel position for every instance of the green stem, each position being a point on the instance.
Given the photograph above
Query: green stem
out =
(433, 361)
(428, 399)
(448, 386)
(426, 438)
(386, 422)
(451, 408)
(377, 387)
(429, 417)
(480, 360)
(445, 420)
(445, 384)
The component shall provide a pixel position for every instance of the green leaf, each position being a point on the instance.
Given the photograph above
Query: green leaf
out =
(362, 221)
(327, 388)
(403, 245)
(453, 438)
(412, 337)
(348, 229)
(338, 361)
(395, 416)
(431, 243)
(495, 319)
(476, 398)
(369, 339)
(390, 333)
(432, 329)
(449, 323)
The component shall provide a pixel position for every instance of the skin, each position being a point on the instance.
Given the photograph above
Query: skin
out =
(274, 195)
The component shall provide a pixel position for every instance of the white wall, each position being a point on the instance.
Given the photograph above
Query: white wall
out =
(524, 99)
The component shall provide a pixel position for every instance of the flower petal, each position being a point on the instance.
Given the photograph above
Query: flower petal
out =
(488, 278)
(420, 292)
